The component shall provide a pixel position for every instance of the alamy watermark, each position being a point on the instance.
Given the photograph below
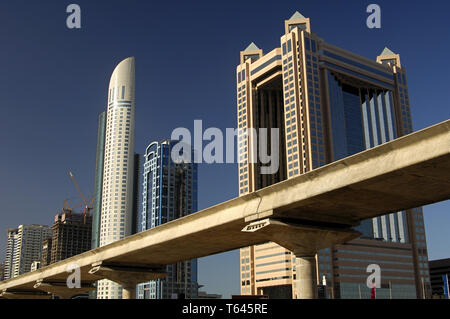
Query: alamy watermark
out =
(253, 146)
(374, 279)
(73, 21)
(374, 19)
(74, 279)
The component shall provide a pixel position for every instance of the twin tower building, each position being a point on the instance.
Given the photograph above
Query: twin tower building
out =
(328, 103)
(168, 192)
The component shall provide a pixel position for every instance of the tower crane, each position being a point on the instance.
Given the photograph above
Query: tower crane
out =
(87, 205)
(67, 209)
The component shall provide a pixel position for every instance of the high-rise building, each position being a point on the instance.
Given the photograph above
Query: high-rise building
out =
(72, 235)
(23, 248)
(46, 258)
(328, 103)
(11, 249)
(169, 192)
(2, 271)
(116, 175)
(98, 183)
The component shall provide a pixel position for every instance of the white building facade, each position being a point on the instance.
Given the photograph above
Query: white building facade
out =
(23, 248)
(116, 220)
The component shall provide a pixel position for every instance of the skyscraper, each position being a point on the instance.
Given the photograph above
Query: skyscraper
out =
(169, 192)
(115, 173)
(328, 103)
(11, 249)
(23, 248)
(46, 258)
(98, 183)
(2, 271)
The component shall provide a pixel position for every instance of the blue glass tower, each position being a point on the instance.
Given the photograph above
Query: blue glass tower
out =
(169, 192)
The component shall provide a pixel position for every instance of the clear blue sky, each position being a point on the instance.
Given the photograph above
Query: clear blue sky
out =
(53, 83)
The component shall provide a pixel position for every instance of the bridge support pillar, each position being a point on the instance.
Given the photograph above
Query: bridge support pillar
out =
(304, 240)
(128, 276)
(306, 282)
(129, 292)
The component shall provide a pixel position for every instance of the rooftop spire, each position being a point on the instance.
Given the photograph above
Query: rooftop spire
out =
(297, 15)
(252, 47)
(387, 51)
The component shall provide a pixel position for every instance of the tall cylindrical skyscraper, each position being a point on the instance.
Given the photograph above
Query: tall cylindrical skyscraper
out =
(116, 220)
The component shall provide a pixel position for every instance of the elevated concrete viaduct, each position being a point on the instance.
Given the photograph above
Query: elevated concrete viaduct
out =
(304, 214)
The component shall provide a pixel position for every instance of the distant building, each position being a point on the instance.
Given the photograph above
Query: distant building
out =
(11, 250)
(438, 269)
(2, 272)
(72, 235)
(35, 265)
(24, 246)
(98, 182)
(169, 192)
(46, 258)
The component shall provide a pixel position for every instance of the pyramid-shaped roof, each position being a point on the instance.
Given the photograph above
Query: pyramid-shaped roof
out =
(387, 51)
(252, 47)
(297, 15)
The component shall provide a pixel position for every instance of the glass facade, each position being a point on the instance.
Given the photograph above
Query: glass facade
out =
(169, 192)
(362, 117)
(98, 183)
(334, 104)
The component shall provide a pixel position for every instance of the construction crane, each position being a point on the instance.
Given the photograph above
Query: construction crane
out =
(87, 205)
(67, 209)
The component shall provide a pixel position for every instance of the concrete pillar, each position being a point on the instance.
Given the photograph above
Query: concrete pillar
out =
(128, 292)
(306, 282)
(128, 276)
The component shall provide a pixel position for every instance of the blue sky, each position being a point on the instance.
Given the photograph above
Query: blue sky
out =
(54, 82)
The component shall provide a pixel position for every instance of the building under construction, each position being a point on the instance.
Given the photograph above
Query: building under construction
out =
(46, 257)
(71, 235)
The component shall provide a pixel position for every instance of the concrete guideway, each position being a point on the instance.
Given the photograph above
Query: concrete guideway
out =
(304, 214)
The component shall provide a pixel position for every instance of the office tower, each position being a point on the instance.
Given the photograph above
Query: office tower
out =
(72, 235)
(169, 192)
(11, 249)
(46, 258)
(24, 247)
(328, 103)
(2, 271)
(98, 183)
(439, 276)
(116, 218)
